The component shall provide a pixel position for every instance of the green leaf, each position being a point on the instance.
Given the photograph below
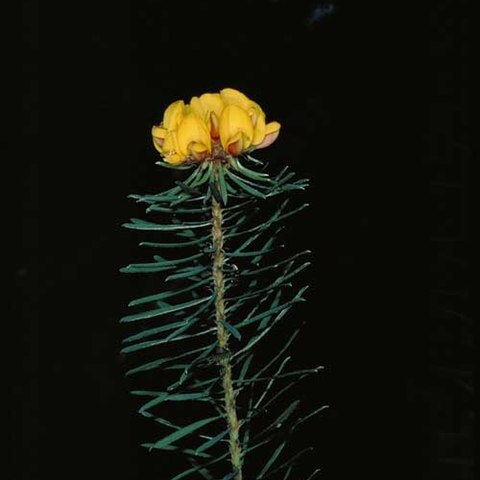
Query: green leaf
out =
(283, 417)
(272, 459)
(283, 279)
(247, 242)
(278, 355)
(271, 381)
(314, 474)
(192, 320)
(266, 247)
(255, 339)
(200, 361)
(288, 473)
(251, 173)
(279, 281)
(173, 167)
(169, 293)
(292, 212)
(153, 331)
(204, 176)
(144, 268)
(179, 326)
(190, 243)
(279, 394)
(289, 463)
(249, 254)
(222, 185)
(245, 367)
(310, 415)
(186, 451)
(276, 301)
(268, 312)
(185, 233)
(160, 264)
(142, 225)
(165, 396)
(154, 343)
(246, 273)
(190, 272)
(187, 189)
(240, 217)
(185, 199)
(183, 432)
(214, 191)
(163, 311)
(213, 441)
(295, 373)
(247, 423)
(244, 186)
(162, 361)
(257, 305)
(258, 228)
(167, 423)
(176, 210)
(178, 261)
(253, 160)
(232, 330)
(281, 181)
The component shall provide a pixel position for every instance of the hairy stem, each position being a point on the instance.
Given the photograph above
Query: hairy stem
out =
(222, 336)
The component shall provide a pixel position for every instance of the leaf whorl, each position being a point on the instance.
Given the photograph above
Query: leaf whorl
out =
(173, 331)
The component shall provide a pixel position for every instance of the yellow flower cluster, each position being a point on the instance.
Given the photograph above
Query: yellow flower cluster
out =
(212, 126)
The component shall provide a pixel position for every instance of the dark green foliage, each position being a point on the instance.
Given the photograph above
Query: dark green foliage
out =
(172, 332)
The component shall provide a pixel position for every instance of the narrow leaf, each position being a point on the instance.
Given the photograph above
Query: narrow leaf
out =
(222, 185)
(272, 459)
(187, 273)
(183, 432)
(168, 294)
(244, 186)
(163, 311)
(141, 225)
(161, 361)
(213, 441)
(232, 330)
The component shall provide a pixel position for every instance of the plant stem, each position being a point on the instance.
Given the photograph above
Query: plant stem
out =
(222, 336)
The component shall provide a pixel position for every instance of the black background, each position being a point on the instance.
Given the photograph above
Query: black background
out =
(373, 104)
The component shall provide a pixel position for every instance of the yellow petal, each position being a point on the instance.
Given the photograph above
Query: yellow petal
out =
(175, 159)
(255, 109)
(272, 130)
(197, 108)
(235, 126)
(158, 144)
(159, 132)
(233, 97)
(204, 105)
(171, 151)
(208, 107)
(259, 132)
(193, 135)
(272, 127)
(173, 115)
(158, 137)
(212, 102)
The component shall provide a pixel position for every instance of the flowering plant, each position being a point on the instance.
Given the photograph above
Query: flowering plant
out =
(224, 295)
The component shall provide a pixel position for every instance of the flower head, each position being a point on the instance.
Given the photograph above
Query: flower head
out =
(213, 125)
